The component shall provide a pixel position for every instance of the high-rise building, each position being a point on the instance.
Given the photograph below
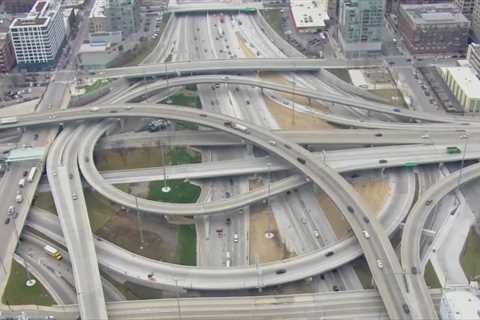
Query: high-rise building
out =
(361, 26)
(466, 7)
(433, 28)
(123, 15)
(394, 5)
(38, 37)
(476, 20)
(18, 6)
(7, 57)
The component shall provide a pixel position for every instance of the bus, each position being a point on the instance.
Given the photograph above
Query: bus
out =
(453, 150)
(248, 10)
(32, 173)
(53, 252)
(409, 164)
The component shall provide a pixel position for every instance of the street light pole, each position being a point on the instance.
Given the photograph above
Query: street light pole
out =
(178, 300)
(139, 222)
(463, 137)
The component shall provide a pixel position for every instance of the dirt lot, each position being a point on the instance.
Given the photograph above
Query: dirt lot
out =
(374, 193)
(284, 118)
(261, 219)
(128, 158)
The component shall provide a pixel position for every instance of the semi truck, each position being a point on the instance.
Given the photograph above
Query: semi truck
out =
(53, 252)
(31, 174)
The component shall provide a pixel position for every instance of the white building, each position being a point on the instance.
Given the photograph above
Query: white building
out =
(309, 16)
(38, 37)
(459, 305)
(464, 85)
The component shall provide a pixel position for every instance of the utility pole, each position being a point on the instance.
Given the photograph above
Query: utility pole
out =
(293, 100)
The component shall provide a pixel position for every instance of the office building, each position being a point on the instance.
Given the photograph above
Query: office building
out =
(18, 6)
(361, 26)
(476, 21)
(7, 56)
(394, 5)
(39, 36)
(309, 16)
(122, 15)
(466, 7)
(473, 56)
(464, 85)
(433, 28)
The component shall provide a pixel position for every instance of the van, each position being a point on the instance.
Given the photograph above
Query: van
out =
(235, 237)
(21, 183)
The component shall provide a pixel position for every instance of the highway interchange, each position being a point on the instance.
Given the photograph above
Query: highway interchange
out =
(71, 156)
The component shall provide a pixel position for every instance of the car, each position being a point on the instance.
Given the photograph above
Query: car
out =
(228, 221)
(366, 234)
(350, 209)
(382, 161)
(128, 107)
(235, 237)
(247, 102)
(329, 254)
(379, 134)
(426, 136)
(405, 308)
(94, 109)
(203, 115)
(280, 271)
(11, 210)
(35, 136)
(414, 270)
(273, 142)
(379, 264)
(397, 110)
(428, 202)
(74, 196)
(335, 288)
(366, 219)
(227, 194)
(25, 173)
(316, 233)
(7, 221)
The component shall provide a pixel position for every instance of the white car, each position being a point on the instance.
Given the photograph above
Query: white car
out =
(366, 234)
(380, 264)
(235, 237)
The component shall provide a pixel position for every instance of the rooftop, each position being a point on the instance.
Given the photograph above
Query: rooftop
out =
(466, 78)
(94, 47)
(40, 13)
(309, 14)
(434, 13)
(98, 9)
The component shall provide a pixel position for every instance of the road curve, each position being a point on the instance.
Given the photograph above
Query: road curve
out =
(376, 247)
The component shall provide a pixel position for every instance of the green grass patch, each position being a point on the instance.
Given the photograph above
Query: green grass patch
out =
(183, 155)
(181, 191)
(100, 210)
(431, 277)
(186, 245)
(17, 293)
(97, 85)
(274, 19)
(342, 74)
(183, 99)
(470, 257)
(130, 158)
(394, 96)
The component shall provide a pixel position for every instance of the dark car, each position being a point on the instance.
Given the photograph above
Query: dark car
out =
(428, 202)
(329, 254)
(280, 271)
(350, 209)
(406, 308)
(7, 221)
(382, 161)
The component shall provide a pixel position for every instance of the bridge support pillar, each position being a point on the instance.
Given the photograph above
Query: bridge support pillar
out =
(309, 101)
(249, 148)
